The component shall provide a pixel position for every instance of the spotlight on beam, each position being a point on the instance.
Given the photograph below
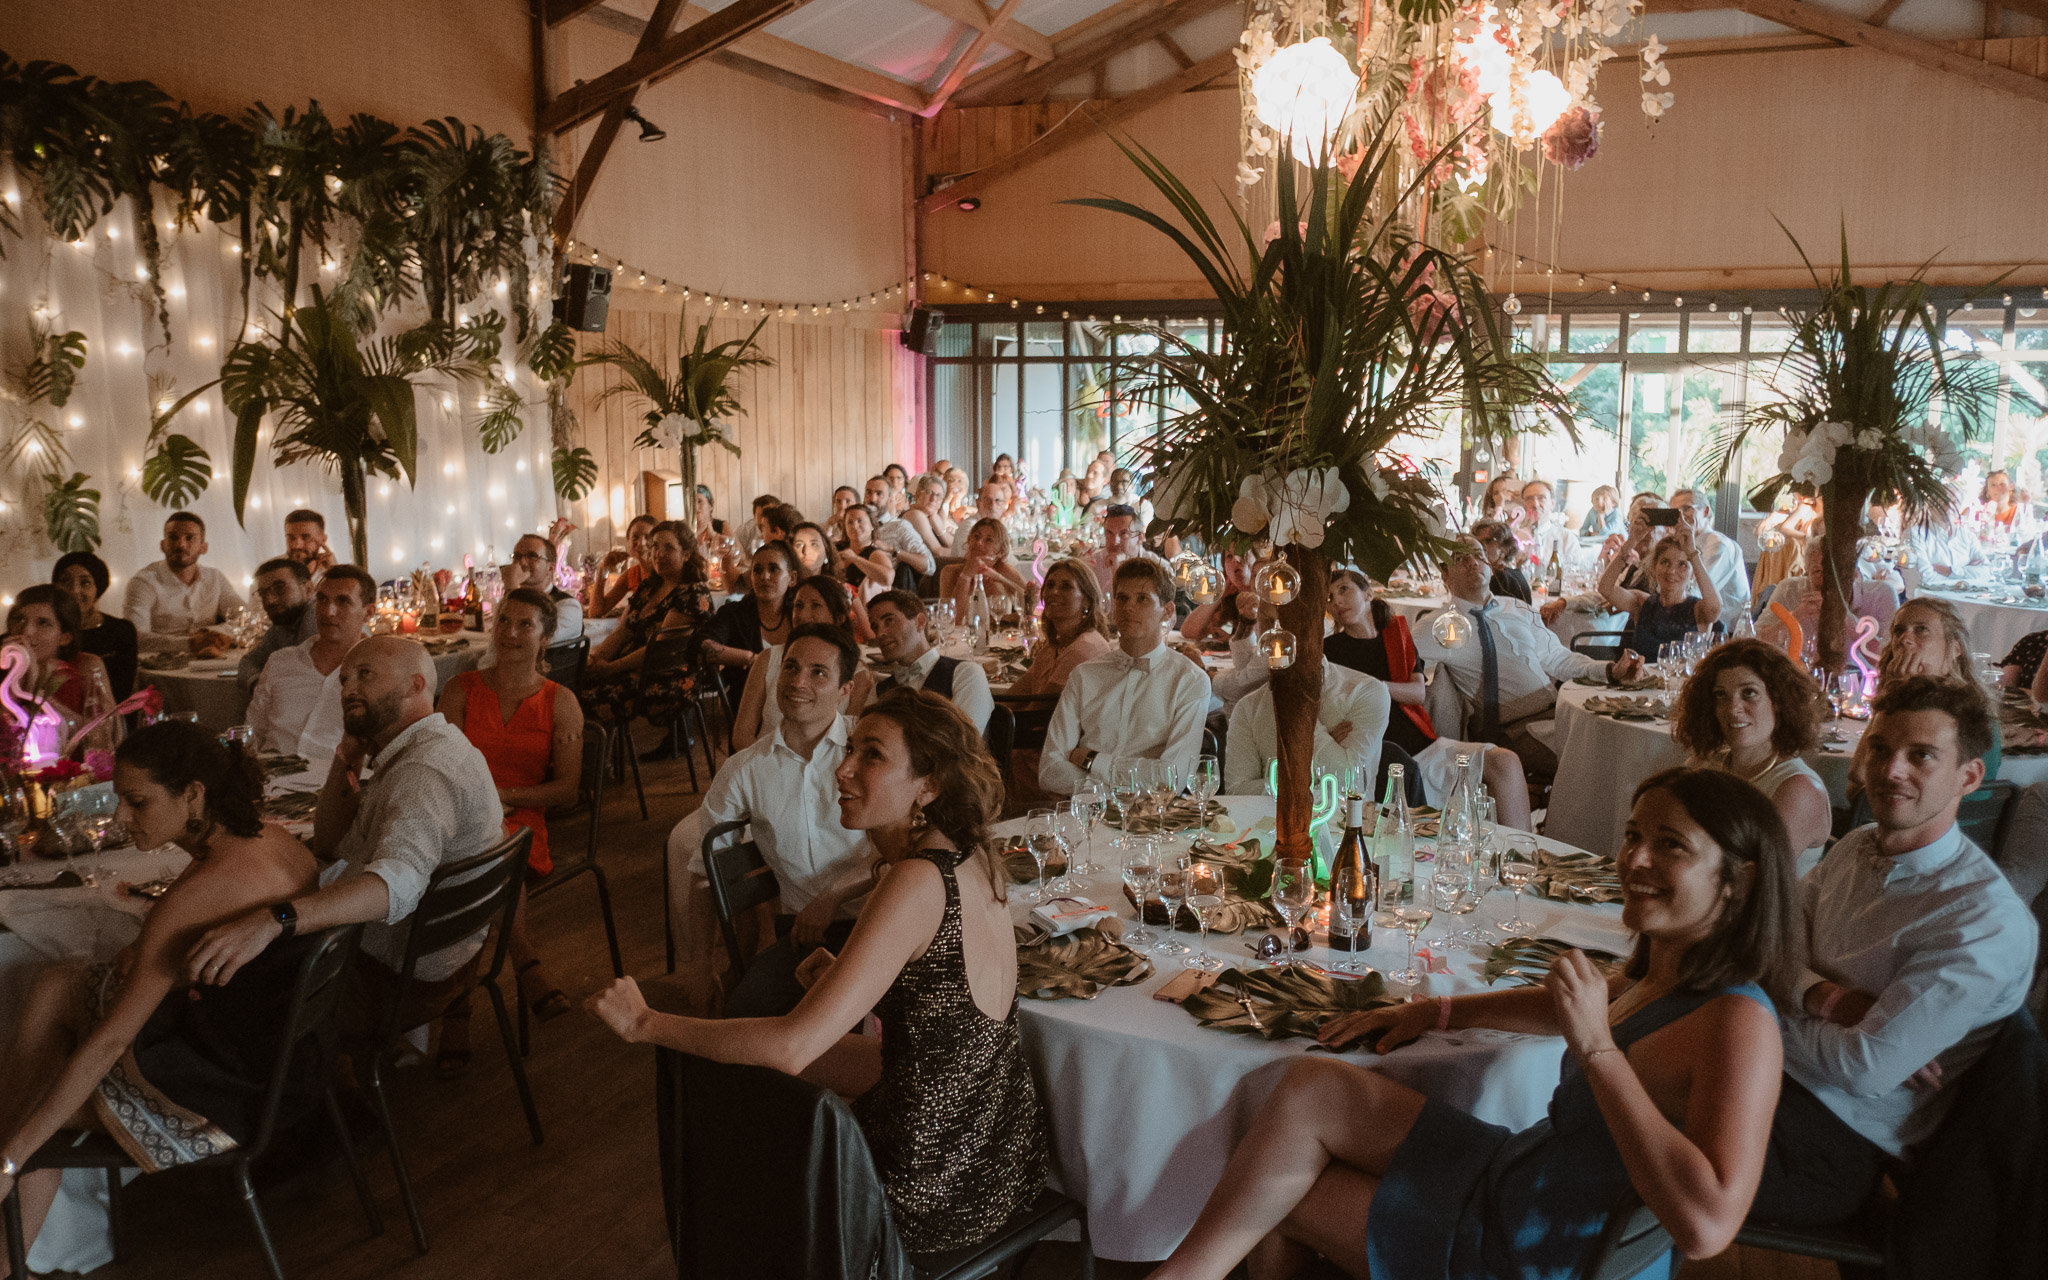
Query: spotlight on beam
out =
(649, 131)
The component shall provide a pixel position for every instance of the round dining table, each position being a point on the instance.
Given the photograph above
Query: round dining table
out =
(1602, 757)
(1146, 1104)
(207, 688)
(1997, 616)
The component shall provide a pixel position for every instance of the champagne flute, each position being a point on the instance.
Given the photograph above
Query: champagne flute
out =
(1038, 836)
(1141, 877)
(1205, 896)
(1293, 893)
(1091, 801)
(1205, 780)
(1070, 826)
(1411, 921)
(1124, 780)
(1517, 869)
(1173, 891)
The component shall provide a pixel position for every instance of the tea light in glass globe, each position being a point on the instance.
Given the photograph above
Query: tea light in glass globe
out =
(1452, 629)
(1771, 539)
(1185, 566)
(1205, 585)
(1277, 582)
(1279, 646)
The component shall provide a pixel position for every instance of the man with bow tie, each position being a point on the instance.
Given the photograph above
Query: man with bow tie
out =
(910, 662)
(1144, 701)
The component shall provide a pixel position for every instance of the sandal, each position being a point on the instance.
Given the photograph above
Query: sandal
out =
(551, 1004)
(452, 1061)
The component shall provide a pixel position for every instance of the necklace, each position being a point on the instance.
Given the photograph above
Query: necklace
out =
(1753, 775)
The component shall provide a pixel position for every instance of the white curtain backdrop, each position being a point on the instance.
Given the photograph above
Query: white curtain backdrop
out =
(466, 501)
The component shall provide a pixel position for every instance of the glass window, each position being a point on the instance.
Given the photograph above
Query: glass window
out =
(955, 339)
(1044, 453)
(1594, 333)
(1713, 331)
(997, 341)
(1653, 334)
(1045, 341)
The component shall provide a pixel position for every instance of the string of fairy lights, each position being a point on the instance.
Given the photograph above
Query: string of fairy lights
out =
(1548, 277)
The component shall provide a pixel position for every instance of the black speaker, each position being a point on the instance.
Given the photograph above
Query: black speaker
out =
(586, 298)
(923, 334)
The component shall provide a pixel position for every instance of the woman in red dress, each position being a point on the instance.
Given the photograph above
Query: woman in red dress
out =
(530, 731)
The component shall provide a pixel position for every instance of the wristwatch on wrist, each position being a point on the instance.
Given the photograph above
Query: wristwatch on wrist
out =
(9, 1169)
(1088, 761)
(287, 919)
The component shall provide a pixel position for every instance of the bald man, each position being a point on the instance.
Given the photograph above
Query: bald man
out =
(429, 800)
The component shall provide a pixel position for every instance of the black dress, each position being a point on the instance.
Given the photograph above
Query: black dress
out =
(1370, 656)
(955, 1124)
(114, 643)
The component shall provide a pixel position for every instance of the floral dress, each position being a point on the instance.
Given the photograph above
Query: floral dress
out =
(652, 613)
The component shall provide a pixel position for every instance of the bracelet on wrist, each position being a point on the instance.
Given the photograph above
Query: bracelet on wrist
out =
(1587, 1061)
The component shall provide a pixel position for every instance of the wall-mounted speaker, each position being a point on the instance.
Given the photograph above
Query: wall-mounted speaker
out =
(922, 335)
(586, 298)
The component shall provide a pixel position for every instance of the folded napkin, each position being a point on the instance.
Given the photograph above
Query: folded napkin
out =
(1526, 961)
(1064, 915)
(1280, 1004)
(1576, 877)
(85, 925)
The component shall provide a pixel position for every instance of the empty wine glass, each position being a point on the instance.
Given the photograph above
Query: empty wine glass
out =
(1292, 895)
(1070, 826)
(1204, 782)
(1411, 921)
(1090, 801)
(1173, 891)
(1517, 869)
(1452, 882)
(1043, 843)
(1348, 913)
(1124, 781)
(1141, 877)
(1205, 896)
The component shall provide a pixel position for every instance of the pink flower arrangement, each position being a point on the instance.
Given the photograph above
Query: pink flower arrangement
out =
(1574, 139)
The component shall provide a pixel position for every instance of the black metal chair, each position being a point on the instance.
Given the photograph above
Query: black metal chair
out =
(591, 789)
(316, 994)
(1596, 644)
(1000, 733)
(462, 899)
(666, 659)
(740, 881)
(564, 662)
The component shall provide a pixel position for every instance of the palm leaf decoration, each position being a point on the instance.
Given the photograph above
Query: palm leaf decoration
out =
(693, 403)
(71, 513)
(1865, 367)
(177, 472)
(575, 473)
(53, 370)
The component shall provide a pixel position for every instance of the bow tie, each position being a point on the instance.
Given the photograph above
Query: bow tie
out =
(1125, 662)
(905, 675)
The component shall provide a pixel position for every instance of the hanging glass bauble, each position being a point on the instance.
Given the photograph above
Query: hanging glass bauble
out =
(1184, 566)
(1771, 540)
(1279, 647)
(1206, 585)
(1452, 629)
(1277, 582)
(1511, 304)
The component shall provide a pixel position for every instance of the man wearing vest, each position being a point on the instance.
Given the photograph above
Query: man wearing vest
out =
(910, 662)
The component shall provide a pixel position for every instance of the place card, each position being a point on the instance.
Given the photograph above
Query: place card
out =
(1184, 984)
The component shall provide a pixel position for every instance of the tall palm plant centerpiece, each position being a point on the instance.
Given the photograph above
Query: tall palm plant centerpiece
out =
(1343, 334)
(1866, 401)
(689, 408)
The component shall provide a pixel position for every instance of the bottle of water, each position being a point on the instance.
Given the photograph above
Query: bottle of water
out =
(1394, 841)
(980, 617)
(1454, 826)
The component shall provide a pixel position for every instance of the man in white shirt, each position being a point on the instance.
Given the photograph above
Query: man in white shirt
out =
(533, 565)
(896, 534)
(282, 585)
(784, 785)
(1143, 702)
(992, 501)
(1917, 948)
(1123, 540)
(1721, 554)
(176, 602)
(1506, 673)
(1351, 718)
(910, 662)
(296, 710)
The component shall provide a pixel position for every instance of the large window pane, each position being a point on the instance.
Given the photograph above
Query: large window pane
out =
(999, 398)
(1714, 331)
(1045, 340)
(1595, 333)
(1045, 443)
(1653, 334)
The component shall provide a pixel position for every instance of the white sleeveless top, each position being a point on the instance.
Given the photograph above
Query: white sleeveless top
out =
(1774, 777)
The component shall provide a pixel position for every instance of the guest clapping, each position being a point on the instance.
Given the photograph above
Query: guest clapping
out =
(1671, 611)
(1750, 709)
(1346, 1163)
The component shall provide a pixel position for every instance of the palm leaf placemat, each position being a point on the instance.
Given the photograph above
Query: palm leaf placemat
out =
(282, 766)
(1075, 966)
(1577, 877)
(1235, 915)
(1527, 961)
(290, 805)
(1280, 1004)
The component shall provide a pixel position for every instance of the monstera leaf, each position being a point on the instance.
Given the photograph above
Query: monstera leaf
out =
(575, 473)
(71, 513)
(177, 472)
(553, 356)
(53, 371)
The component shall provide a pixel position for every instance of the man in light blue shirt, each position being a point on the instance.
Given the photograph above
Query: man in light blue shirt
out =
(1917, 949)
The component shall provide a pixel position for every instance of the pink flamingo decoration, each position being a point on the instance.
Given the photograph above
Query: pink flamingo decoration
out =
(1038, 559)
(39, 726)
(1864, 653)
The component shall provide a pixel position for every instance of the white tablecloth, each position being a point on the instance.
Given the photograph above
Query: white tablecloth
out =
(80, 926)
(1146, 1104)
(1600, 760)
(1994, 627)
(207, 685)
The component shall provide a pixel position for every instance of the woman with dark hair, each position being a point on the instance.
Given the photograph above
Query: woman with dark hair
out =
(869, 567)
(814, 557)
(945, 1097)
(673, 603)
(744, 626)
(638, 558)
(45, 620)
(173, 1073)
(1073, 628)
(817, 599)
(83, 576)
(704, 513)
(1372, 638)
(1751, 710)
(1667, 1092)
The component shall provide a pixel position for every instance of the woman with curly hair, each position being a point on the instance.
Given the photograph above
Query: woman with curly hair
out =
(1751, 710)
(945, 1098)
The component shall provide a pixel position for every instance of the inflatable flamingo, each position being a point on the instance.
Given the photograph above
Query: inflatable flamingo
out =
(38, 725)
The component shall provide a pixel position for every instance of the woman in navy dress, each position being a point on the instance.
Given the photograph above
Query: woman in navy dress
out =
(1666, 1093)
(1668, 610)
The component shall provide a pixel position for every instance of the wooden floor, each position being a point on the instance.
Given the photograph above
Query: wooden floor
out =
(584, 1204)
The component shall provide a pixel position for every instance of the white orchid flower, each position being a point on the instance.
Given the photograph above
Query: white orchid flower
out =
(1870, 440)
(1811, 469)
(1838, 433)
(1305, 502)
(1656, 104)
(1253, 510)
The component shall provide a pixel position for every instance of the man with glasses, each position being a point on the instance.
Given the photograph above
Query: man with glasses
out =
(281, 588)
(533, 565)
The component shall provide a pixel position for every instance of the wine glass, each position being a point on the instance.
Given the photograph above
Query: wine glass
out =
(1124, 781)
(1090, 802)
(1070, 826)
(1043, 843)
(1141, 877)
(1164, 782)
(1453, 881)
(1351, 909)
(1293, 894)
(1517, 869)
(1412, 921)
(1173, 890)
(1205, 895)
(1205, 780)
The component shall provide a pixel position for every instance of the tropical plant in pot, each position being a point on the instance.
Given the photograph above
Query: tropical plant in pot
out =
(1343, 334)
(687, 409)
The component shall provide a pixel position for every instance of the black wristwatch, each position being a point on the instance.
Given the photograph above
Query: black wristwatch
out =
(1088, 761)
(287, 919)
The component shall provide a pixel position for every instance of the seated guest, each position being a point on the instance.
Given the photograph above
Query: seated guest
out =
(958, 504)
(305, 540)
(176, 602)
(899, 487)
(1374, 1176)
(912, 662)
(1751, 710)
(1351, 718)
(747, 624)
(1144, 701)
(1233, 617)
(530, 731)
(704, 514)
(284, 589)
(928, 519)
(2016, 670)
(178, 785)
(1669, 612)
(778, 522)
(1635, 576)
(784, 782)
(1507, 672)
(816, 601)
(428, 800)
(815, 556)
(869, 567)
(1995, 501)
(992, 501)
(755, 532)
(45, 620)
(1122, 492)
(985, 559)
(672, 603)
(83, 576)
(843, 497)
(1123, 540)
(1503, 552)
(1928, 638)
(1916, 948)
(1503, 500)
(895, 534)
(533, 565)
(1721, 554)
(1372, 638)
(1072, 629)
(1545, 533)
(1796, 518)
(1799, 595)
(606, 596)
(297, 707)
(949, 1108)
(1604, 516)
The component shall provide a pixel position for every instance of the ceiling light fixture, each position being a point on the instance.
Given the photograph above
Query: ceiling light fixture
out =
(649, 131)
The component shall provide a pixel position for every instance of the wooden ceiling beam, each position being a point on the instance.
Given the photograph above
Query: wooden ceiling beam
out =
(1173, 50)
(1075, 130)
(2032, 8)
(1812, 18)
(968, 57)
(1883, 13)
(761, 52)
(1065, 37)
(1794, 42)
(698, 40)
(1011, 34)
(559, 11)
(658, 24)
(1089, 52)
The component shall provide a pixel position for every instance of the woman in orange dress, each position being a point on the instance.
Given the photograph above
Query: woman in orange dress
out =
(530, 731)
